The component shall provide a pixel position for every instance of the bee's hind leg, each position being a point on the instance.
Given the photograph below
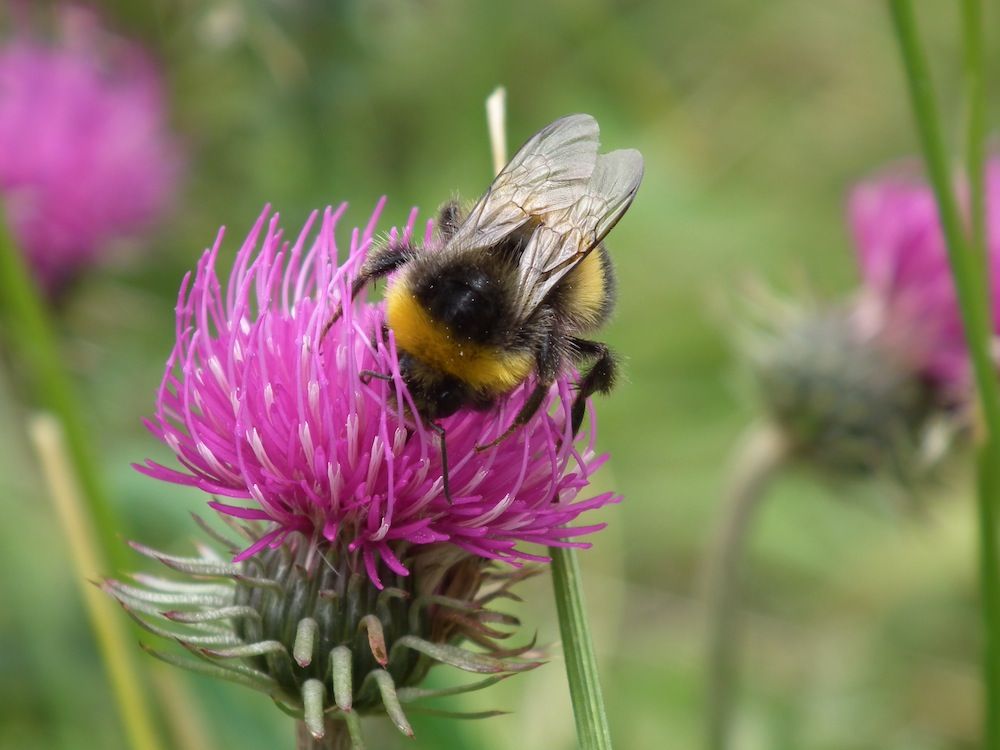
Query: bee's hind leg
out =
(523, 416)
(600, 378)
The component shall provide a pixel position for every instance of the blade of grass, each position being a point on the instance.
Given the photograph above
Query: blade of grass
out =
(30, 333)
(184, 716)
(967, 258)
(113, 637)
(989, 489)
(989, 467)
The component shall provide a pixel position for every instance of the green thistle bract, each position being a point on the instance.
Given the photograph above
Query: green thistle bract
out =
(305, 624)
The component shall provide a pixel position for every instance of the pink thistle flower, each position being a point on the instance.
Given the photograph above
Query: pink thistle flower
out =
(283, 425)
(904, 265)
(85, 156)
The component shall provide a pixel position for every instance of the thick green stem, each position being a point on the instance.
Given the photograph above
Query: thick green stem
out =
(989, 467)
(578, 650)
(759, 457)
(967, 258)
(965, 267)
(989, 575)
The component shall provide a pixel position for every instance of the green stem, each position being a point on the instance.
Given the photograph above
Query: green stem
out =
(33, 340)
(30, 332)
(968, 270)
(578, 650)
(109, 628)
(989, 467)
(592, 729)
(759, 458)
(989, 488)
(964, 266)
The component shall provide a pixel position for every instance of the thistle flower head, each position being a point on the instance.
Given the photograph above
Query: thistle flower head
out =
(274, 417)
(85, 156)
(904, 266)
(354, 573)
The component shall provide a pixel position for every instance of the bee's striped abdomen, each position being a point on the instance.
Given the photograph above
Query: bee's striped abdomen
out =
(483, 367)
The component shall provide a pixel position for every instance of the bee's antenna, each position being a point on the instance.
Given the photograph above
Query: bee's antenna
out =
(356, 286)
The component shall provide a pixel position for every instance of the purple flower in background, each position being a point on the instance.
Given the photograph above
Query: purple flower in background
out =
(85, 155)
(282, 424)
(904, 264)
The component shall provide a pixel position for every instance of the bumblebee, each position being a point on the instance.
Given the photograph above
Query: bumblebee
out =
(514, 285)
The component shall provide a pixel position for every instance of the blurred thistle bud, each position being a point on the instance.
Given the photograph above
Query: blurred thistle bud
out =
(875, 386)
(86, 157)
(882, 381)
(356, 573)
(845, 388)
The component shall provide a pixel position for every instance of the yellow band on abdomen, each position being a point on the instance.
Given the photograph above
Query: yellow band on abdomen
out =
(487, 368)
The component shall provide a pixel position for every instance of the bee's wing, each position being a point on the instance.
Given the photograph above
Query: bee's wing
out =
(572, 196)
(549, 173)
(565, 236)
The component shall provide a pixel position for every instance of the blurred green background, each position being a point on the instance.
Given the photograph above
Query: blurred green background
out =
(754, 119)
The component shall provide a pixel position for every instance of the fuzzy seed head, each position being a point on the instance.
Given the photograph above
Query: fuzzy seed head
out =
(845, 394)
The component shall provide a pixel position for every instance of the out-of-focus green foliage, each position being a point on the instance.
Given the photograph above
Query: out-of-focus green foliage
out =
(753, 118)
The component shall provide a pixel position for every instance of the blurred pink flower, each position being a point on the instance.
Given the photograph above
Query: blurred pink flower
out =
(904, 265)
(258, 410)
(85, 155)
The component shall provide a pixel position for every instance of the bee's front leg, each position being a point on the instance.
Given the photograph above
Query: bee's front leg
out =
(380, 263)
